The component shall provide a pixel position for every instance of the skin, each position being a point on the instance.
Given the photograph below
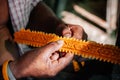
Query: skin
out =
(4, 32)
(44, 61)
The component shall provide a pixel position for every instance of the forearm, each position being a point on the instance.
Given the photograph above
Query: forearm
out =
(7, 73)
(8, 48)
(42, 18)
(5, 52)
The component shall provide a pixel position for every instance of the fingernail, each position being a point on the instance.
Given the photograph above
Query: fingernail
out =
(67, 35)
(60, 41)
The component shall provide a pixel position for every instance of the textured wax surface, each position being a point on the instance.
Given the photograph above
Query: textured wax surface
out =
(86, 49)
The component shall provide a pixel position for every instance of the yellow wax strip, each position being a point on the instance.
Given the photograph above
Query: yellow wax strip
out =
(86, 49)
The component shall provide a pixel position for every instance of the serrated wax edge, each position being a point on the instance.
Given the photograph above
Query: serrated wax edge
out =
(86, 49)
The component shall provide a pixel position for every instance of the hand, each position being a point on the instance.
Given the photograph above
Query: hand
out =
(75, 31)
(69, 30)
(4, 35)
(41, 62)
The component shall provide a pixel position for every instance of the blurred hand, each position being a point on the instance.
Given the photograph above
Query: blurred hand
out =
(75, 31)
(4, 35)
(69, 30)
(41, 62)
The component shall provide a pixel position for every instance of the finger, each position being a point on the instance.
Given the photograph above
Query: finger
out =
(55, 56)
(67, 32)
(64, 61)
(52, 47)
(5, 34)
(67, 58)
(78, 32)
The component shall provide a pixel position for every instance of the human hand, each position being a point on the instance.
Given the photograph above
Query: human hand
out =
(41, 62)
(4, 34)
(75, 31)
(69, 30)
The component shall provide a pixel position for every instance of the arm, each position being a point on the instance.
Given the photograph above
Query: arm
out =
(48, 61)
(42, 18)
(4, 32)
(41, 62)
(45, 57)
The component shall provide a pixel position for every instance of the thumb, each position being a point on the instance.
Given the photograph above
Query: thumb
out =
(52, 47)
(67, 35)
(67, 32)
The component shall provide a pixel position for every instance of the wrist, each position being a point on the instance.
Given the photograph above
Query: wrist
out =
(4, 70)
(60, 27)
(10, 74)
(53, 23)
(17, 73)
(18, 70)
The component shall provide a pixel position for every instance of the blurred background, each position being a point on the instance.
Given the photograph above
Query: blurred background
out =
(97, 17)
